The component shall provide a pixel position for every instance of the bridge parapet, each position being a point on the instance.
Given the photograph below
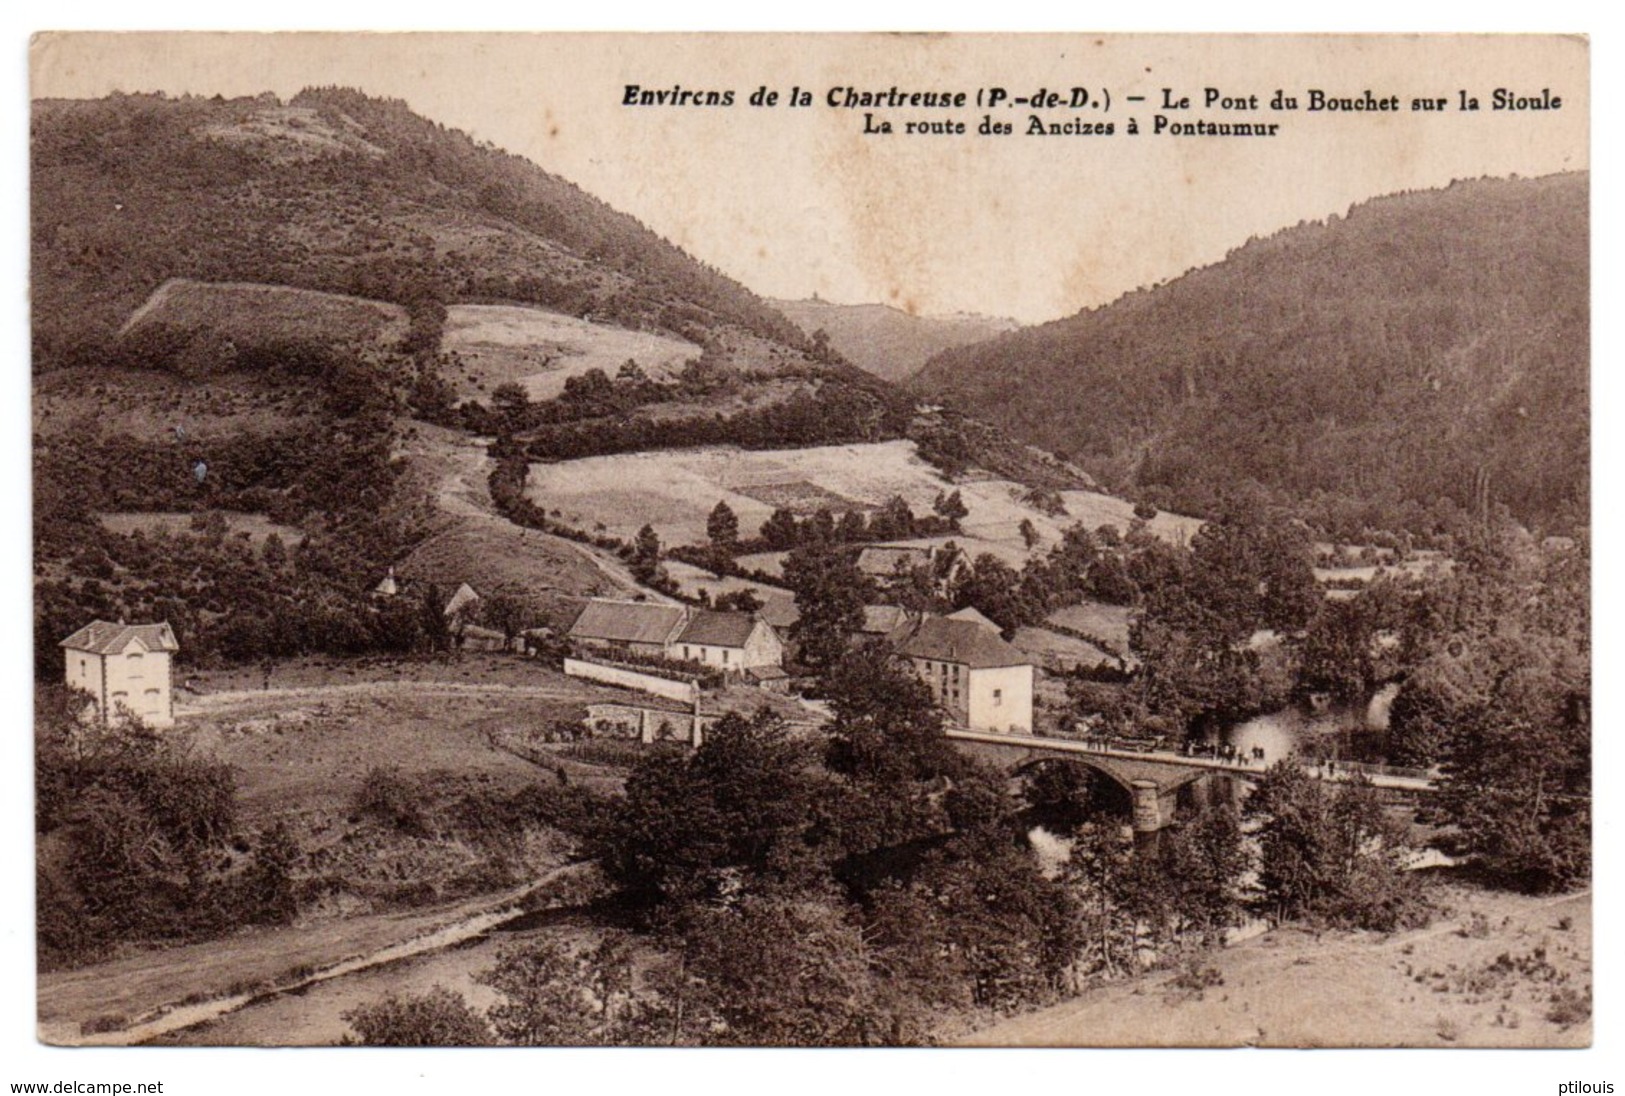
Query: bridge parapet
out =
(1167, 768)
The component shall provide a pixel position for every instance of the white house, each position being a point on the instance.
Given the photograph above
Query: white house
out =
(984, 683)
(124, 666)
(733, 642)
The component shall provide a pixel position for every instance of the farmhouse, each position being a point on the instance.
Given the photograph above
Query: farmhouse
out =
(635, 626)
(984, 683)
(731, 642)
(124, 667)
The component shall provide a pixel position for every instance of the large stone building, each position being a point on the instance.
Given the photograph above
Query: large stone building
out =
(124, 667)
(984, 683)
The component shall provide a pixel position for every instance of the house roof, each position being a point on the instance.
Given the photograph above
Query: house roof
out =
(100, 637)
(627, 622)
(971, 614)
(780, 612)
(716, 629)
(881, 620)
(961, 641)
(465, 596)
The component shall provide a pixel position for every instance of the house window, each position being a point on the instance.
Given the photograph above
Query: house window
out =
(998, 697)
(686, 655)
(725, 657)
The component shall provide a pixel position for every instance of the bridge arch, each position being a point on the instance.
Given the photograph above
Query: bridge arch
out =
(1152, 783)
(1114, 794)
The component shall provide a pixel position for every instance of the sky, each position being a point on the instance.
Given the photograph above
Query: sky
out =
(1030, 235)
(799, 201)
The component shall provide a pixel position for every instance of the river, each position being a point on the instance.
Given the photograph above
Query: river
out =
(1317, 732)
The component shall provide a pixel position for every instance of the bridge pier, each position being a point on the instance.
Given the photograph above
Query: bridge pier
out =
(1153, 806)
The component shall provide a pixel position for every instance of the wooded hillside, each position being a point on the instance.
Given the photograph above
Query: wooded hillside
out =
(1428, 346)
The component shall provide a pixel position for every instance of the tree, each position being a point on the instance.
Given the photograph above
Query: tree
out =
(432, 614)
(723, 528)
(439, 1018)
(1499, 692)
(554, 995)
(951, 508)
(1518, 778)
(274, 553)
(1329, 854)
(773, 971)
(830, 595)
(779, 530)
(994, 588)
(508, 611)
(1189, 890)
(886, 726)
(1029, 533)
(690, 827)
(645, 562)
(853, 527)
(511, 403)
(738, 601)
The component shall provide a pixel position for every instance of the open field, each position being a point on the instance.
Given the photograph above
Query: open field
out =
(778, 604)
(539, 349)
(674, 491)
(304, 745)
(476, 545)
(251, 314)
(1096, 618)
(1483, 975)
(1057, 652)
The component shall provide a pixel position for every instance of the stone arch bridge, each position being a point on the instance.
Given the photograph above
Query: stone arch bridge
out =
(1153, 778)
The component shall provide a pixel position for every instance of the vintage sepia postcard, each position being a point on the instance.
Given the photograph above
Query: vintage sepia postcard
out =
(811, 540)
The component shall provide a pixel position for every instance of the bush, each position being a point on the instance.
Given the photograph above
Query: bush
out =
(392, 799)
(1570, 1006)
(439, 1018)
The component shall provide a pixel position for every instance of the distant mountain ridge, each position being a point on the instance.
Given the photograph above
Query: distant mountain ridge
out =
(1430, 350)
(886, 341)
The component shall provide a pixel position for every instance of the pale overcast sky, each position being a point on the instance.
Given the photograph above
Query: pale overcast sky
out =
(796, 201)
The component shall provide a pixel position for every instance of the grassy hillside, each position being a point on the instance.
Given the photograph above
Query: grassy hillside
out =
(338, 192)
(252, 315)
(1390, 366)
(257, 309)
(885, 341)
